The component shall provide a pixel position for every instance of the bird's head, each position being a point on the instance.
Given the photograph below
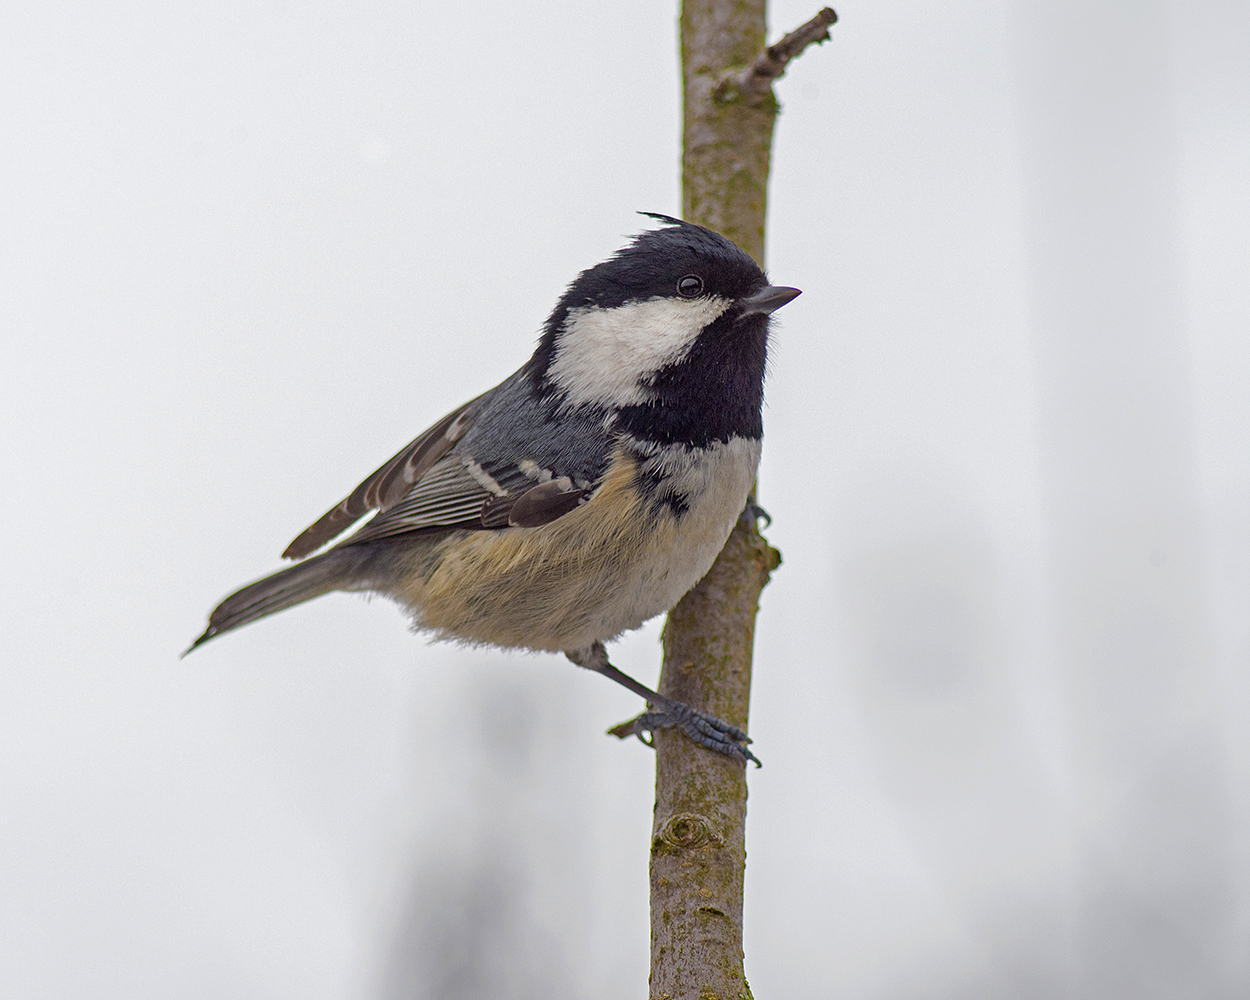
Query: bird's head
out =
(678, 318)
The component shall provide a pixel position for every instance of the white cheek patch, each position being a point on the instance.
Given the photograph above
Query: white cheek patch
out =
(602, 355)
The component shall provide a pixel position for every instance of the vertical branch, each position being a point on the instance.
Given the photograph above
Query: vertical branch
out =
(698, 848)
(727, 136)
(698, 852)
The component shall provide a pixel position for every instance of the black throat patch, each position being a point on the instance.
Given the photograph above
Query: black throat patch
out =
(715, 393)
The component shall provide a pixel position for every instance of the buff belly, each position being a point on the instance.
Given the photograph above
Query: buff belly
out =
(603, 568)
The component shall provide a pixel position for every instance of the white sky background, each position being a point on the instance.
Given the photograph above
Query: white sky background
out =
(1002, 684)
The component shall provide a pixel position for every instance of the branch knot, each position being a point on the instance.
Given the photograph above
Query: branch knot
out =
(685, 831)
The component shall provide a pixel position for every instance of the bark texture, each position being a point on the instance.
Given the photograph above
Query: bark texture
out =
(698, 849)
(698, 852)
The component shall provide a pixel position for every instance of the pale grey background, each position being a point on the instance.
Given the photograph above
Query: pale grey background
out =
(249, 250)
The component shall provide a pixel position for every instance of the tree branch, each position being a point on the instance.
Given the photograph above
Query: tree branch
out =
(771, 63)
(698, 843)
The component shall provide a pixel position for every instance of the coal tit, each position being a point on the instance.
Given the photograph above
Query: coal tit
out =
(587, 492)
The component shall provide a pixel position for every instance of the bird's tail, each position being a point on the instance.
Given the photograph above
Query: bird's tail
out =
(344, 568)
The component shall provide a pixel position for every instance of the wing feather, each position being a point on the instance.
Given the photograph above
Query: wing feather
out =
(447, 497)
(389, 484)
(455, 494)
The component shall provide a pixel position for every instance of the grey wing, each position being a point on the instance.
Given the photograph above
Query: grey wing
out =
(459, 493)
(501, 460)
(389, 484)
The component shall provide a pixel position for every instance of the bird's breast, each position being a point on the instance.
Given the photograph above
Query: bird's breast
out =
(652, 529)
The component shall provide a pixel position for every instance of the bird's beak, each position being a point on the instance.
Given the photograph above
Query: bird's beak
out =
(768, 299)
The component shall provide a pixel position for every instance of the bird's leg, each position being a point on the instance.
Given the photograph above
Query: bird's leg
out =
(706, 730)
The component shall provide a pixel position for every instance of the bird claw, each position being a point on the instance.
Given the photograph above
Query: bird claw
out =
(706, 730)
(753, 513)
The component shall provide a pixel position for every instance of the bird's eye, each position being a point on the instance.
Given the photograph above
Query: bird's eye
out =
(690, 286)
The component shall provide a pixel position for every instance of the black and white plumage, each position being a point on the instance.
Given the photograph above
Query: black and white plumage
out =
(587, 492)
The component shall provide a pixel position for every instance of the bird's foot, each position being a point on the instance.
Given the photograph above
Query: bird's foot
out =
(753, 513)
(706, 730)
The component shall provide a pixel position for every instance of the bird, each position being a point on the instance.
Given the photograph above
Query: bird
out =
(584, 494)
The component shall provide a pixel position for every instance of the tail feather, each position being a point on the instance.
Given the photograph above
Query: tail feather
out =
(338, 569)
